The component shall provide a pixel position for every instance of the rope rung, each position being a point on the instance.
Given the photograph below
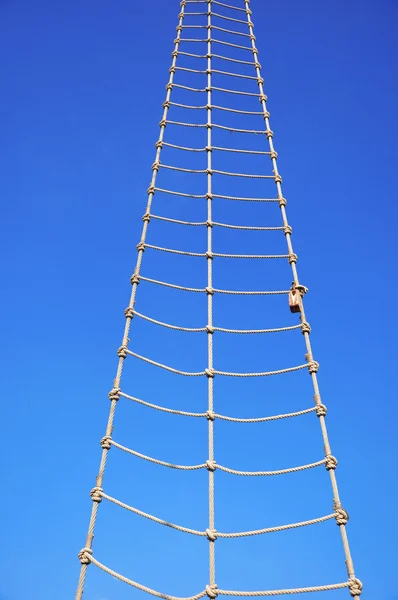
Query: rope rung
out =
(219, 534)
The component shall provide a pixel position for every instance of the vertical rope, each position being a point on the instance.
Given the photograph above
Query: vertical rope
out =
(114, 394)
(210, 374)
(355, 589)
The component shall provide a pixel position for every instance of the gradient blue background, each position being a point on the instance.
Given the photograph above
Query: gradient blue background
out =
(82, 88)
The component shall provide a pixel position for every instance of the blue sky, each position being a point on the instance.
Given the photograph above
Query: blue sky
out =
(83, 85)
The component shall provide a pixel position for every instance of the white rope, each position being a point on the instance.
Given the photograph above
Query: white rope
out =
(162, 366)
(157, 461)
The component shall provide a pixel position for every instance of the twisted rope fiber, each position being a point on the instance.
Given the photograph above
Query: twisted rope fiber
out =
(211, 465)
(217, 172)
(219, 534)
(214, 290)
(217, 415)
(258, 152)
(216, 254)
(152, 592)
(215, 224)
(221, 329)
(200, 196)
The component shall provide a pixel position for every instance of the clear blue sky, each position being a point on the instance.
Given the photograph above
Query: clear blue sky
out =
(82, 89)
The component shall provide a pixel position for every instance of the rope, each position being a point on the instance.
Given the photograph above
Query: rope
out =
(242, 151)
(228, 6)
(162, 366)
(214, 290)
(164, 409)
(214, 254)
(240, 198)
(218, 534)
(271, 473)
(139, 586)
(209, 369)
(190, 329)
(217, 415)
(263, 374)
(228, 18)
(231, 31)
(153, 518)
(157, 461)
(216, 224)
(316, 588)
(172, 285)
(238, 92)
(265, 419)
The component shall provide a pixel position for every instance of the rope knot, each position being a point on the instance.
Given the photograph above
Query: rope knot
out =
(208, 88)
(122, 352)
(135, 278)
(209, 196)
(209, 223)
(274, 154)
(183, 3)
(292, 258)
(179, 28)
(166, 103)
(210, 373)
(84, 556)
(141, 247)
(341, 516)
(305, 327)
(210, 415)
(313, 366)
(250, 23)
(355, 587)
(209, 291)
(211, 535)
(210, 329)
(287, 230)
(208, 72)
(209, 171)
(96, 494)
(209, 255)
(263, 98)
(181, 15)
(114, 394)
(177, 41)
(146, 217)
(172, 69)
(156, 166)
(253, 39)
(163, 123)
(151, 189)
(330, 462)
(257, 65)
(321, 410)
(211, 591)
(211, 465)
(248, 11)
(269, 133)
(106, 442)
(169, 86)
(174, 54)
(278, 178)
(282, 202)
(159, 144)
(129, 313)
